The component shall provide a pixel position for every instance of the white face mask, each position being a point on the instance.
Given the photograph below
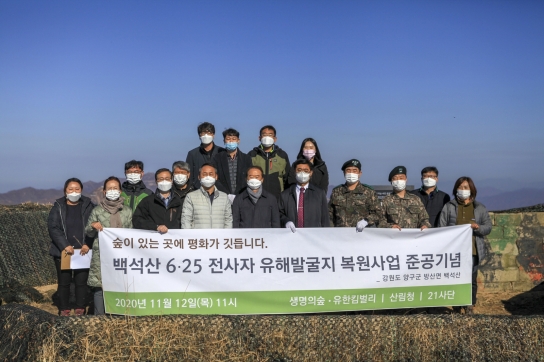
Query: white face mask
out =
(73, 196)
(180, 179)
(399, 185)
(164, 185)
(253, 183)
(134, 178)
(267, 141)
(351, 178)
(113, 195)
(303, 177)
(206, 139)
(463, 194)
(429, 182)
(207, 181)
(308, 154)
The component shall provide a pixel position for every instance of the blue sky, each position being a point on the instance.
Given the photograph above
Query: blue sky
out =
(88, 85)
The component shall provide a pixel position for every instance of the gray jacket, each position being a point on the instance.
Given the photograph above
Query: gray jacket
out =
(99, 214)
(200, 213)
(448, 217)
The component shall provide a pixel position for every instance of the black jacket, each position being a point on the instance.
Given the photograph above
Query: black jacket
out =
(320, 176)
(182, 193)
(151, 213)
(264, 214)
(434, 203)
(197, 157)
(56, 225)
(316, 212)
(222, 164)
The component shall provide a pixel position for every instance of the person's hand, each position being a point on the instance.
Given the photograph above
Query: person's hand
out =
(395, 226)
(361, 225)
(291, 226)
(474, 226)
(424, 227)
(69, 250)
(84, 250)
(162, 229)
(97, 226)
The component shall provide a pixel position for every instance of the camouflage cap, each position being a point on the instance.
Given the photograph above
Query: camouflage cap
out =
(352, 163)
(399, 170)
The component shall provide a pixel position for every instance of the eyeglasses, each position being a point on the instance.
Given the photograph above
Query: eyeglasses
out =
(429, 176)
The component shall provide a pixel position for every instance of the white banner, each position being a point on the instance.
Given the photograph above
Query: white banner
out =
(274, 270)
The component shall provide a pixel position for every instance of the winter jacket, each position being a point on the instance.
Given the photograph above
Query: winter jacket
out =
(264, 214)
(183, 193)
(433, 202)
(101, 215)
(221, 161)
(200, 213)
(448, 217)
(151, 213)
(316, 211)
(134, 194)
(320, 176)
(56, 225)
(276, 167)
(197, 157)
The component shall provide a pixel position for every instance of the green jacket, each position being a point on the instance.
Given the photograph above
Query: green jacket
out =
(99, 214)
(276, 167)
(347, 208)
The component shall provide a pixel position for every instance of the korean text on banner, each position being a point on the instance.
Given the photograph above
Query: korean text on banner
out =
(263, 271)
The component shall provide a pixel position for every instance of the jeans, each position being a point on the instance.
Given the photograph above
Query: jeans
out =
(65, 277)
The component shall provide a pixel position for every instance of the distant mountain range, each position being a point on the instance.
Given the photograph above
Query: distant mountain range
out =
(493, 198)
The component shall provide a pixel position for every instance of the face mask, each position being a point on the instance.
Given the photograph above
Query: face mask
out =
(134, 178)
(399, 185)
(180, 179)
(231, 146)
(309, 154)
(253, 183)
(351, 178)
(267, 141)
(206, 139)
(207, 181)
(429, 182)
(463, 194)
(164, 186)
(303, 177)
(113, 194)
(74, 196)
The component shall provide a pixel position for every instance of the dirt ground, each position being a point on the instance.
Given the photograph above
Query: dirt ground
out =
(505, 303)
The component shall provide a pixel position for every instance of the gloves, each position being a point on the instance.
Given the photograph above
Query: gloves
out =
(361, 225)
(291, 226)
(231, 198)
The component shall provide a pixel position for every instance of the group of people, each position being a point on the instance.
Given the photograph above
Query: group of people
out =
(222, 187)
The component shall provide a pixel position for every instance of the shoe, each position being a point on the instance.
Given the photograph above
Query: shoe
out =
(65, 313)
(80, 312)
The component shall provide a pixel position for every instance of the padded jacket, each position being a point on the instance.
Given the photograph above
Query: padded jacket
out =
(200, 213)
(101, 215)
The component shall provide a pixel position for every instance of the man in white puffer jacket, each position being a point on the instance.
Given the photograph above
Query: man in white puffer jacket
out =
(207, 207)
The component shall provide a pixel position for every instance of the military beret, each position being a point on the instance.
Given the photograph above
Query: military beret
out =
(399, 170)
(352, 163)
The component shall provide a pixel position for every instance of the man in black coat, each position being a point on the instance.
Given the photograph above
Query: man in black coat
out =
(303, 204)
(231, 165)
(204, 153)
(161, 211)
(255, 207)
(433, 199)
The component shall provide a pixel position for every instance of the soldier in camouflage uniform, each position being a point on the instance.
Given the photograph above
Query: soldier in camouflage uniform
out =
(402, 209)
(354, 204)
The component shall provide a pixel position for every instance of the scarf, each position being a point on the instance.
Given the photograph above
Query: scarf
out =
(255, 196)
(113, 208)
